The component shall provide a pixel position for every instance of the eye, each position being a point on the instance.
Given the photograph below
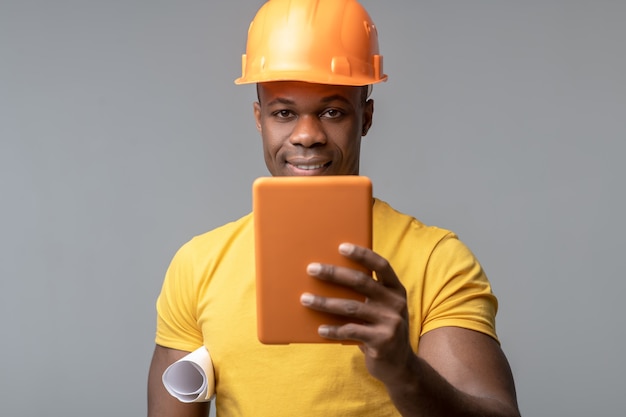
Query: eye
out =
(332, 114)
(283, 114)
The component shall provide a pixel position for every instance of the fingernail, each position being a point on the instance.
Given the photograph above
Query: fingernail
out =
(323, 330)
(313, 268)
(306, 299)
(346, 248)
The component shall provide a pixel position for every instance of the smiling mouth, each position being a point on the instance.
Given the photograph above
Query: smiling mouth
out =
(309, 167)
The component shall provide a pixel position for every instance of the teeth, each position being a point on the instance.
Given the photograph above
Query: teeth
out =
(309, 167)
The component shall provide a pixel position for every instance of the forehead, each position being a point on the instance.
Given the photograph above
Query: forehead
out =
(296, 91)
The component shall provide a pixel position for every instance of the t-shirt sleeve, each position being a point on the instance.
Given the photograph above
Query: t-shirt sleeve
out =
(177, 324)
(457, 291)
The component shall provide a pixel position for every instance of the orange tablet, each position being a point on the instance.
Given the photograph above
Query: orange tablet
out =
(299, 220)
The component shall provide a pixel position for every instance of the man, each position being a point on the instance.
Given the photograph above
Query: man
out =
(427, 341)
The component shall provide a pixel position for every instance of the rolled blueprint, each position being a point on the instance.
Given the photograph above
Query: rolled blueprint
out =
(191, 378)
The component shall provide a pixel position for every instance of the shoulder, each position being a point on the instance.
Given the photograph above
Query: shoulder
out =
(394, 229)
(216, 240)
(220, 234)
(404, 240)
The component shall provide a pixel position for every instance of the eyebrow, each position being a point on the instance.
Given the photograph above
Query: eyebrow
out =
(327, 99)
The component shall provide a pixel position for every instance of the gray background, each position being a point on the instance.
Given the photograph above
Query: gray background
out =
(122, 135)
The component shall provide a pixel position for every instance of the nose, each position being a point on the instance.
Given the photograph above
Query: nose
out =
(308, 132)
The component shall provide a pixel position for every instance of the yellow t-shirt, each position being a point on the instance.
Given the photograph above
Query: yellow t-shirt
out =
(208, 297)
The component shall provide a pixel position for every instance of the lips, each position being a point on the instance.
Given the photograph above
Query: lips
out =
(308, 167)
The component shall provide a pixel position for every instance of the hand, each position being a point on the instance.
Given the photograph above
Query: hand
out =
(381, 322)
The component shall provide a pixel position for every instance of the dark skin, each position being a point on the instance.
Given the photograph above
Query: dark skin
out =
(160, 402)
(316, 129)
(326, 132)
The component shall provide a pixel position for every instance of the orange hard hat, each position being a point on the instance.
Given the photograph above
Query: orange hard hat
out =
(317, 41)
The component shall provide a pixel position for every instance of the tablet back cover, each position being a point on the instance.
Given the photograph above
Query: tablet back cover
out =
(299, 220)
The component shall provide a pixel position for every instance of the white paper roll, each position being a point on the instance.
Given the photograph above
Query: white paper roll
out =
(191, 379)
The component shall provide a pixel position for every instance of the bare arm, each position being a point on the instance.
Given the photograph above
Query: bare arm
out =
(458, 372)
(463, 372)
(160, 402)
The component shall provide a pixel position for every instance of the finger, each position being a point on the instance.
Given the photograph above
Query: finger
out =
(356, 280)
(374, 262)
(351, 309)
(372, 337)
(350, 331)
(382, 302)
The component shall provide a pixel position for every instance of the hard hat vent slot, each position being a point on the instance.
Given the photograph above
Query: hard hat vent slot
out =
(340, 66)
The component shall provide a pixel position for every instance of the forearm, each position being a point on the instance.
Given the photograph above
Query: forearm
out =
(421, 391)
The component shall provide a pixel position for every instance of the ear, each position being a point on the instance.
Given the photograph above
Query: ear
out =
(257, 115)
(368, 115)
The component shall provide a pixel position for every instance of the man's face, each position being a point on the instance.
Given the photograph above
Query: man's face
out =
(312, 129)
